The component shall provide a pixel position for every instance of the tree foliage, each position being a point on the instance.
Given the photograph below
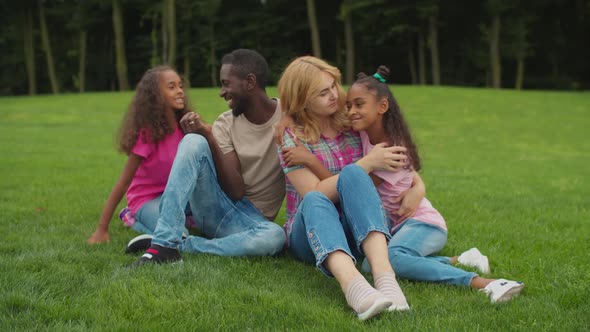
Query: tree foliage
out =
(52, 46)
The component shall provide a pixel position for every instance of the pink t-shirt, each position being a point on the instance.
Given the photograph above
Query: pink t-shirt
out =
(394, 183)
(151, 177)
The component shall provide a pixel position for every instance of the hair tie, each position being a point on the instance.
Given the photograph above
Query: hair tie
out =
(379, 77)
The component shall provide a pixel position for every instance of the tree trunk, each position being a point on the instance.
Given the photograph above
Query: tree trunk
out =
(519, 73)
(495, 66)
(29, 49)
(47, 49)
(433, 37)
(82, 63)
(314, 30)
(339, 52)
(212, 57)
(349, 40)
(171, 28)
(164, 28)
(421, 58)
(120, 57)
(187, 69)
(155, 59)
(412, 63)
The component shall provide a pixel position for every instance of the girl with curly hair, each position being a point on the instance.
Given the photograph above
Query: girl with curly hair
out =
(149, 135)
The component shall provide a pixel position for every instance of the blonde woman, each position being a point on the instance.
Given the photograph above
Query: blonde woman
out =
(333, 222)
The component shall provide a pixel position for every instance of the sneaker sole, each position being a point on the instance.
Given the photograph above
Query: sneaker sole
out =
(139, 243)
(137, 264)
(377, 308)
(510, 294)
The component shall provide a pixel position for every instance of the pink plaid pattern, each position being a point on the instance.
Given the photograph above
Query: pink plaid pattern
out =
(335, 153)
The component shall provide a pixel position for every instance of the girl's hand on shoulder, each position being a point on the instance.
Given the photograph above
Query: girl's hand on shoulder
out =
(192, 123)
(384, 158)
(297, 155)
(99, 236)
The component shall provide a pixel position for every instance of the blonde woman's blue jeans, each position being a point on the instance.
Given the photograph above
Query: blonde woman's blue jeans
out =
(319, 229)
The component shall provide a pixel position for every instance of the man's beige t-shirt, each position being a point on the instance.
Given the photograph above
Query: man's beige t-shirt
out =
(254, 145)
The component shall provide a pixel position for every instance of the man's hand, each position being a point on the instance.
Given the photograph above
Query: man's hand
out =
(279, 129)
(191, 123)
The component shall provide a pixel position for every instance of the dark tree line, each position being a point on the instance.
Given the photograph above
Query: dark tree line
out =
(53, 46)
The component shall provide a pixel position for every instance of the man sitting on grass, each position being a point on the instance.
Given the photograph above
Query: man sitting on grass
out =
(228, 175)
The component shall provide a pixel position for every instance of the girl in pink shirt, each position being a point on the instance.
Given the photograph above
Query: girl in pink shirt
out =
(149, 135)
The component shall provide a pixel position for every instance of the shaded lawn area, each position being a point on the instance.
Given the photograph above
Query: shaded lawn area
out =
(508, 170)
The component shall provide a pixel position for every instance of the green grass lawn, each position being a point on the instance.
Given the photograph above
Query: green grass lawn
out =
(508, 170)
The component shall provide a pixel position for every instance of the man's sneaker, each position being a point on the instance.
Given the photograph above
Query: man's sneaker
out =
(502, 290)
(474, 258)
(158, 255)
(138, 244)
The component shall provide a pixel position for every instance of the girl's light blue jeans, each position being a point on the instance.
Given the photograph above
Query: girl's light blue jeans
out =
(319, 229)
(410, 253)
(230, 228)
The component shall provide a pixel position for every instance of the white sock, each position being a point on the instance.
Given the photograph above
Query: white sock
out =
(360, 296)
(387, 284)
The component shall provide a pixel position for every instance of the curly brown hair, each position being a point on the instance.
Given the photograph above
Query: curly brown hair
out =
(147, 112)
(395, 125)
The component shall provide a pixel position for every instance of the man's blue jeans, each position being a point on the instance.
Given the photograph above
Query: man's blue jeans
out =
(318, 228)
(410, 251)
(231, 228)
(147, 216)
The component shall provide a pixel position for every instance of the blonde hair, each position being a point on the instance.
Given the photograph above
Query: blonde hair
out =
(300, 82)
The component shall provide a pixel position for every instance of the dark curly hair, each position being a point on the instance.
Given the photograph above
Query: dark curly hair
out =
(147, 112)
(395, 125)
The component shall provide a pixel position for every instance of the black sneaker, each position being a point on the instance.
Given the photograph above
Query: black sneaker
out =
(138, 244)
(158, 255)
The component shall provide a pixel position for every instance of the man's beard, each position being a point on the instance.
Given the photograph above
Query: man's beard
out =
(237, 111)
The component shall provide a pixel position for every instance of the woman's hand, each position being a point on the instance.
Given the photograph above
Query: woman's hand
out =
(410, 199)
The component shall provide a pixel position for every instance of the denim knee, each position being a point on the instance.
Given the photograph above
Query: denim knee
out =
(193, 144)
(351, 171)
(313, 197)
(270, 240)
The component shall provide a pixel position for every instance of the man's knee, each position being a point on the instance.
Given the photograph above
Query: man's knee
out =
(271, 239)
(193, 144)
